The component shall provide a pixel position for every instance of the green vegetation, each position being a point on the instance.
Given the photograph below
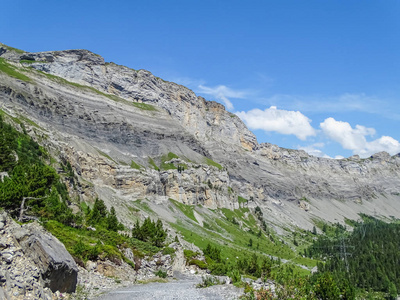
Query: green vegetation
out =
(143, 205)
(188, 210)
(207, 281)
(150, 232)
(210, 162)
(364, 258)
(153, 164)
(26, 61)
(201, 264)
(106, 155)
(168, 251)
(165, 158)
(20, 120)
(99, 216)
(92, 233)
(12, 71)
(230, 238)
(242, 200)
(135, 165)
(144, 106)
(19, 51)
(29, 179)
(161, 273)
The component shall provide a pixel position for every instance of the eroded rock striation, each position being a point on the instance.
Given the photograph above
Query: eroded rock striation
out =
(116, 126)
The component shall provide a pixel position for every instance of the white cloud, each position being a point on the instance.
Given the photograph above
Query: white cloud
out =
(385, 143)
(281, 121)
(222, 92)
(355, 139)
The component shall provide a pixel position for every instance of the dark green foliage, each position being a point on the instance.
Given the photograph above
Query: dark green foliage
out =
(152, 232)
(181, 168)
(30, 178)
(201, 264)
(213, 252)
(86, 244)
(326, 287)
(367, 258)
(12, 71)
(314, 230)
(235, 276)
(160, 273)
(168, 250)
(100, 217)
(234, 221)
(208, 281)
(46, 197)
(98, 213)
(112, 221)
(189, 254)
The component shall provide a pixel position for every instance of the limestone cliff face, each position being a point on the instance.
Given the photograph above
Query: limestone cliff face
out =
(206, 120)
(101, 116)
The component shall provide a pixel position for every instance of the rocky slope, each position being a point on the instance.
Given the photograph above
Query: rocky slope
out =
(101, 116)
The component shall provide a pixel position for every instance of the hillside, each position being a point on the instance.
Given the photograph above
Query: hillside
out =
(151, 148)
(111, 123)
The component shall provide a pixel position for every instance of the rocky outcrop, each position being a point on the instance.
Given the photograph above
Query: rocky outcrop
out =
(208, 121)
(56, 266)
(34, 263)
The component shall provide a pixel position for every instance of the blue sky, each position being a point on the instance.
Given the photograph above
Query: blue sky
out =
(323, 76)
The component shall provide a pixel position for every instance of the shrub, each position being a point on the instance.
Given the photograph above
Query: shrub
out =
(160, 273)
(189, 254)
(197, 262)
(235, 276)
(168, 250)
(207, 281)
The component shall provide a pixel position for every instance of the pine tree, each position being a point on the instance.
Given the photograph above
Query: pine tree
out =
(112, 221)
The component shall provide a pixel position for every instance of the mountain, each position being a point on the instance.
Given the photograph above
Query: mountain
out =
(130, 135)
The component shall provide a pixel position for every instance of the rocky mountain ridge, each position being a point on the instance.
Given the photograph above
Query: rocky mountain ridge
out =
(116, 126)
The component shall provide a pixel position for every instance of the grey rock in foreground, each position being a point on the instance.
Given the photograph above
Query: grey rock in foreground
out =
(57, 267)
(34, 264)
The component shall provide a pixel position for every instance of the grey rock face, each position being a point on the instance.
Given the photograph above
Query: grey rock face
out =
(101, 132)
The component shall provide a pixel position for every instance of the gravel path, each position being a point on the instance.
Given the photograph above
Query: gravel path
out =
(182, 288)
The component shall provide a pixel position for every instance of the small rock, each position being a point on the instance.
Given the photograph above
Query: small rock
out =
(7, 257)
(91, 265)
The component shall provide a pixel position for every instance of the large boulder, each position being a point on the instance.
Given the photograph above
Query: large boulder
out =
(57, 267)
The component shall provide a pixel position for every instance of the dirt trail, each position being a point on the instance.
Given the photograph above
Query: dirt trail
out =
(181, 288)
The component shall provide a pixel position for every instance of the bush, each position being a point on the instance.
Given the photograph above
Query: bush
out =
(197, 262)
(218, 269)
(160, 273)
(235, 276)
(189, 254)
(168, 250)
(213, 252)
(208, 281)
